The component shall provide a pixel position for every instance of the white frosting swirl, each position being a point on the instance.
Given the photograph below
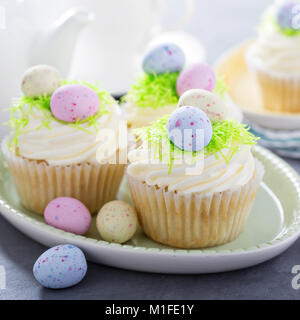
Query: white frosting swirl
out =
(217, 175)
(140, 117)
(63, 144)
(274, 51)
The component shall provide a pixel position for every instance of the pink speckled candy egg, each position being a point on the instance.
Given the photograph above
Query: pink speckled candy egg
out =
(197, 76)
(207, 101)
(74, 102)
(117, 222)
(40, 80)
(68, 214)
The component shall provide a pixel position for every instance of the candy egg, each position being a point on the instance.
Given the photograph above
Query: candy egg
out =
(74, 102)
(197, 76)
(68, 214)
(207, 101)
(164, 58)
(285, 14)
(117, 222)
(189, 129)
(60, 267)
(40, 80)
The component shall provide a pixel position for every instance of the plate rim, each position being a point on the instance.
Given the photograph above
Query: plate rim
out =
(290, 235)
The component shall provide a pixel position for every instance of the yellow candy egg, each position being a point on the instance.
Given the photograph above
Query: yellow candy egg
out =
(117, 222)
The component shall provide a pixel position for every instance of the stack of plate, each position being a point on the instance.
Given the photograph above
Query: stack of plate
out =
(277, 131)
(286, 143)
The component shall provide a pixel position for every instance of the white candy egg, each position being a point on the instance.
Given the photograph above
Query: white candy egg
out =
(40, 80)
(207, 101)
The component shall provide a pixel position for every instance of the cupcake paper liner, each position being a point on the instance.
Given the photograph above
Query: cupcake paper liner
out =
(194, 220)
(279, 92)
(38, 183)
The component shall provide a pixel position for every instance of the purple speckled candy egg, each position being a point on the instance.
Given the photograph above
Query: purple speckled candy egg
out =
(68, 214)
(207, 101)
(285, 13)
(74, 102)
(189, 129)
(164, 58)
(60, 267)
(197, 76)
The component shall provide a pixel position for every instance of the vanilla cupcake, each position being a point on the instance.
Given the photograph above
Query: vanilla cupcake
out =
(151, 97)
(165, 79)
(60, 143)
(154, 93)
(274, 57)
(194, 179)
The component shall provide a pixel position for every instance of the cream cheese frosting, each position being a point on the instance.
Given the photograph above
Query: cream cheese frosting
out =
(274, 51)
(217, 175)
(139, 117)
(63, 144)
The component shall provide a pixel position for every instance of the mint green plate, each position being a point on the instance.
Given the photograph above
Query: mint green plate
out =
(273, 226)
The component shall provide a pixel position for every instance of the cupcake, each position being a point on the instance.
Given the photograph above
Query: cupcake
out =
(153, 94)
(59, 143)
(273, 58)
(157, 91)
(194, 179)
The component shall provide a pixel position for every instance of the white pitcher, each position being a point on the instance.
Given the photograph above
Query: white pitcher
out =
(108, 49)
(99, 39)
(31, 32)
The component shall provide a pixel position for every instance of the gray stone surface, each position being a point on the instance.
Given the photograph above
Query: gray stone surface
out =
(219, 24)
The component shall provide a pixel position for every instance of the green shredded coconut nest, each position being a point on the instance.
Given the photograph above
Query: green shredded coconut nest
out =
(227, 134)
(221, 87)
(155, 91)
(23, 107)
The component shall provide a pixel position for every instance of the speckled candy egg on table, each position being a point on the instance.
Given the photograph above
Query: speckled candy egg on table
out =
(207, 101)
(286, 13)
(40, 80)
(74, 102)
(60, 267)
(197, 76)
(117, 222)
(189, 129)
(68, 214)
(165, 58)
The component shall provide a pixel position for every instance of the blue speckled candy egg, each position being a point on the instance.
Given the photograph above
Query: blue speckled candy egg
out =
(285, 13)
(60, 267)
(164, 58)
(186, 128)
